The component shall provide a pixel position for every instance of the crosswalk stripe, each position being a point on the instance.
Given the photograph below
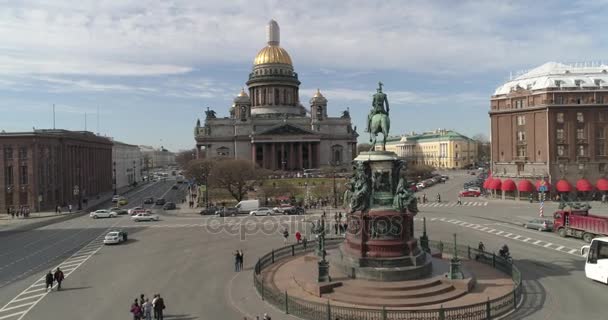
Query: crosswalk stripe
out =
(572, 251)
(548, 245)
(537, 242)
(491, 230)
(559, 248)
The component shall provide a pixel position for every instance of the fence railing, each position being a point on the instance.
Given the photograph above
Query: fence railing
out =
(489, 309)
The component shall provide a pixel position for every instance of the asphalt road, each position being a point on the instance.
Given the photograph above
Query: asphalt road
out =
(189, 260)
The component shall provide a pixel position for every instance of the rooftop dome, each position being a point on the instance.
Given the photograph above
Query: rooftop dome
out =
(272, 53)
(242, 97)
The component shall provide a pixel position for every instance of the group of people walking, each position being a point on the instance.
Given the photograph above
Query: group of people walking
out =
(339, 226)
(238, 260)
(22, 211)
(52, 277)
(143, 308)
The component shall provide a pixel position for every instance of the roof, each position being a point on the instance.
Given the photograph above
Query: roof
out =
(555, 75)
(437, 135)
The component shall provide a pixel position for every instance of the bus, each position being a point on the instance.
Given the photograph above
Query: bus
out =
(596, 266)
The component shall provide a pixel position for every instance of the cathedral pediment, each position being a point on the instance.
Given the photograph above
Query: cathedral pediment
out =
(286, 129)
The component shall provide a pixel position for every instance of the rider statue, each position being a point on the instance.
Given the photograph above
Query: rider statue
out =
(378, 103)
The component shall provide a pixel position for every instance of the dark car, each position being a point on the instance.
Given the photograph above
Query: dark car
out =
(119, 211)
(149, 200)
(227, 211)
(160, 202)
(209, 211)
(175, 187)
(539, 224)
(169, 206)
(294, 211)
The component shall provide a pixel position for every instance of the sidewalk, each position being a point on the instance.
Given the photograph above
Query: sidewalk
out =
(44, 218)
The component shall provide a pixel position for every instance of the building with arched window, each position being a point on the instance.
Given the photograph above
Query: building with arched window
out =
(269, 126)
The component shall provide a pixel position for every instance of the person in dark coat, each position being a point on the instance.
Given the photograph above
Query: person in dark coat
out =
(59, 277)
(49, 280)
(159, 306)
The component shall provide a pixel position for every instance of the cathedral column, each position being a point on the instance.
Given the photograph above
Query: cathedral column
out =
(309, 145)
(318, 155)
(273, 156)
(300, 156)
(283, 160)
(292, 165)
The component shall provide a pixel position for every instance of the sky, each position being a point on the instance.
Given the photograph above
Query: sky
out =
(143, 71)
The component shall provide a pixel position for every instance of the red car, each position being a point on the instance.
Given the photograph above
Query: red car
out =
(469, 193)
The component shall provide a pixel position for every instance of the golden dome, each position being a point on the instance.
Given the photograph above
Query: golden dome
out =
(272, 54)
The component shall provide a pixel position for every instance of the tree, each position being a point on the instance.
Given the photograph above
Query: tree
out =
(183, 157)
(361, 147)
(199, 170)
(483, 148)
(236, 176)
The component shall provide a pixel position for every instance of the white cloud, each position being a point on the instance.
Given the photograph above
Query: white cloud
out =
(150, 37)
(399, 97)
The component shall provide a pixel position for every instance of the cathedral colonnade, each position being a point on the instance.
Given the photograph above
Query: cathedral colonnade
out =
(286, 155)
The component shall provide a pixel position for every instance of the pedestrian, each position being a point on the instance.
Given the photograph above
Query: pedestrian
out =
(345, 227)
(438, 198)
(424, 198)
(59, 278)
(12, 212)
(285, 235)
(266, 317)
(147, 309)
(336, 217)
(236, 261)
(304, 242)
(49, 281)
(70, 208)
(459, 201)
(154, 306)
(136, 310)
(298, 236)
(142, 299)
(336, 227)
(159, 307)
(241, 259)
(27, 212)
(339, 216)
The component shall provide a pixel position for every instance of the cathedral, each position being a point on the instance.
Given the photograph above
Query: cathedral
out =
(269, 126)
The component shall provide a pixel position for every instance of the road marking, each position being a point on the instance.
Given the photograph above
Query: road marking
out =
(548, 245)
(30, 297)
(19, 306)
(517, 237)
(508, 235)
(537, 242)
(13, 315)
(526, 239)
(572, 251)
(433, 219)
(499, 233)
(559, 248)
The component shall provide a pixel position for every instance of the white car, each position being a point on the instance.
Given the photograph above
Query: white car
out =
(145, 216)
(132, 210)
(261, 212)
(115, 237)
(115, 198)
(103, 213)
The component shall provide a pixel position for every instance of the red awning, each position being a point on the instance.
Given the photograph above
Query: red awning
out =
(602, 184)
(540, 183)
(525, 186)
(584, 185)
(508, 185)
(563, 186)
(494, 184)
(486, 184)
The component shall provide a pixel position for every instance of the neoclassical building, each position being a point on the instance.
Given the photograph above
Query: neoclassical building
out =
(269, 126)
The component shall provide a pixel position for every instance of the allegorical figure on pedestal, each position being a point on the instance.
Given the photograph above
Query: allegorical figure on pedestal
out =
(404, 200)
(360, 187)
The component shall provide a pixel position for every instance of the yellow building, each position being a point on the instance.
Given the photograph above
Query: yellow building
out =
(440, 148)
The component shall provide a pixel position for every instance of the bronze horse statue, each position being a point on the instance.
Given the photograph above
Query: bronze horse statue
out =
(378, 119)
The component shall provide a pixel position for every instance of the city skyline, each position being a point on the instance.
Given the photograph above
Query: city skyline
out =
(147, 65)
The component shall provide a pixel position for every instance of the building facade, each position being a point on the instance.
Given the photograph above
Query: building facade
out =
(127, 166)
(44, 168)
(269, 126)
(551, 124)
(156, 158)
(442, 149)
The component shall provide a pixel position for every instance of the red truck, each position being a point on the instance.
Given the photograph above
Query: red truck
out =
(579, 224)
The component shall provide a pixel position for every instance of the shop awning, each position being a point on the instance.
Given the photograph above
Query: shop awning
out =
(602, 184)
(584, 185)
(563, 186)
(495, 184)
(486, 184)
(508, 185)
(525, 186)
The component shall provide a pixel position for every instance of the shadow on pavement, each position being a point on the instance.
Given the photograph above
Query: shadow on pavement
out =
(73, 288)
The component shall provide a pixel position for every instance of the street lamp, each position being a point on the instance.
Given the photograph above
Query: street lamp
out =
(333, 167)
(114, 176)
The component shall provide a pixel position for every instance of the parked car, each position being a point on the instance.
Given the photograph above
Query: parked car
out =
(103, 213)
(115, 237)
(169, 206)
(119, 211)
(175, 187)
(145, 216)
(149, 200)
(539, 224)
(209, 211)
(420, 185)
(282, 207)
(261, 212)
(469, 193)
(294, 211)
(132, 210)
(227, 211)
(160, 202)
(115, 198)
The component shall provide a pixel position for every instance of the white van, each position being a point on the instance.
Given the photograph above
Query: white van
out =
(247, 206)
(596, 266)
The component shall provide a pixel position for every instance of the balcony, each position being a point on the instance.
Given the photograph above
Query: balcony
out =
(520, 158)
(582, 158)
(522, 142)
(581, 141)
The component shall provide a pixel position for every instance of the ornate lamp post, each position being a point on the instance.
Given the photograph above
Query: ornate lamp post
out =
(319, 230)
(455, 272)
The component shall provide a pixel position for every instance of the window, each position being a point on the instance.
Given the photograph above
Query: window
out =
(602, 250)
(521, 136)
(8, 153)
(579, 100)
(559, 134)
(578, 83)
(8, 175)
(601, 147)
(521, 120)
(521, 151)
(23, 175)
(559, 100)
(520, 168)
(22, 153)
(579, 117)
(601, 167)
(519, 104)
(581, 150)
(336, 152)
(580, 134)
(559, 117)
(561, 150)
(600, 99)
(223, 151)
